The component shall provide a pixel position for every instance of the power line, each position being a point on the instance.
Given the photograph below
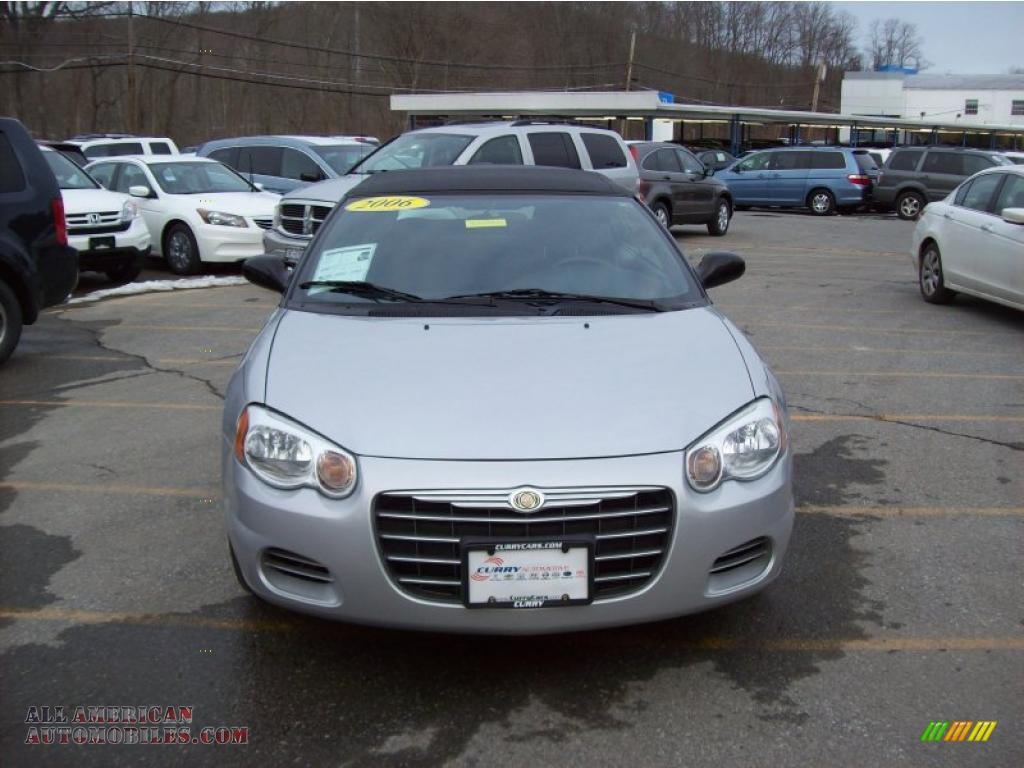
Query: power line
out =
(710, 81)
(374, 56)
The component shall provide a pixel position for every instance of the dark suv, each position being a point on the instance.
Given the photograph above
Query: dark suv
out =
(679, 189)
(37, 267)
(915, 176)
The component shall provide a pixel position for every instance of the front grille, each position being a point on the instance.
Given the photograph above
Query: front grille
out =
(303, 219)
(741, 555)
(93, 219)
(419, 533)
(103, 229)
(740, 565)
(264, 223)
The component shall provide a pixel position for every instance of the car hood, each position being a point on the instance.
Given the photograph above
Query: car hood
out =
(330, 191)
(92, 200)
(507, 388)
(239, 203)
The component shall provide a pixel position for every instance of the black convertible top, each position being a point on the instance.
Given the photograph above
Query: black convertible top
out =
(488, 178)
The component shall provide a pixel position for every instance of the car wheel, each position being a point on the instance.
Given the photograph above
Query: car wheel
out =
(909, 205)
(719, 225)
(238, 571)
(929, 277)
(821, 202)
(10, 321)
(660, 211)
(181, 251)
(124, 272)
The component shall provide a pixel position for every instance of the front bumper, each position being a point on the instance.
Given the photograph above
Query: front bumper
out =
(228, 244)
(130, 245)
(283, 246)
(340, 535)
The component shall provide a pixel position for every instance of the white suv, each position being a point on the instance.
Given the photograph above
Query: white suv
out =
(106, 228)
(520, 142)
(97, 145)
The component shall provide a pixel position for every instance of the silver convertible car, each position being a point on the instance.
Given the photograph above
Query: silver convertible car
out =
(498, 400)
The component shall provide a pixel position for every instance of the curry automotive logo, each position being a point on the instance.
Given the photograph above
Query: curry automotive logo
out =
(526, 499)
(958, 730)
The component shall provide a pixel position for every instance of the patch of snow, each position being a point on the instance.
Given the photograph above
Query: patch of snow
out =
(153, 286)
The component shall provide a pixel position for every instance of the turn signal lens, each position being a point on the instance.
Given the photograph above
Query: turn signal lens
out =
(335, 471)
(704, 466)
(241, 430)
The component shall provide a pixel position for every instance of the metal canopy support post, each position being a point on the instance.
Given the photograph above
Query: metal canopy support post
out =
(648, 128)
(734, 134)
(853, 135)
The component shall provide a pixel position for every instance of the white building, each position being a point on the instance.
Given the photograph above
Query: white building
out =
(974, 99)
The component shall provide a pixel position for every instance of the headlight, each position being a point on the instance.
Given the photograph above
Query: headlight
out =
(743, 447)
(217, 217)
(286, 455)
(129, 211)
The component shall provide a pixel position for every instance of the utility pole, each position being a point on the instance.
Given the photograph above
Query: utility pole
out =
(132, 95)
(818, 80)
(629, 65)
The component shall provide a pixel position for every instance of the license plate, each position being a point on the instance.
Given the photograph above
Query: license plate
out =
(527, 574)
(96, 243)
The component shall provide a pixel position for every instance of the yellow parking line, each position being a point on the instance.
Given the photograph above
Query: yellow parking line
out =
(869, 329)
(108, 488)
(907, 374)
(896, 511)
(886, 350)
(712, 643)
(198, 328)
(979, 417)
(112, 404)
(88, 358)
(197, 361)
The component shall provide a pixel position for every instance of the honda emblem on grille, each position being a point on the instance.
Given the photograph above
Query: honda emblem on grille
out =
(526, 499)
(94, 218)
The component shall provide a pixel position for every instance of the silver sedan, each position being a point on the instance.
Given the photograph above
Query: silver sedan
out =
(499, 400)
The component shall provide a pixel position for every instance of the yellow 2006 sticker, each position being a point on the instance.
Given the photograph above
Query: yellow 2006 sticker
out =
(384, 204)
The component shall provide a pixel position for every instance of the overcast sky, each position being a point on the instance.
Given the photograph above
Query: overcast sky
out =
(959, 37)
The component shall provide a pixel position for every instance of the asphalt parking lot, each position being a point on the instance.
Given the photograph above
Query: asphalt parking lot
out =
(901, 602)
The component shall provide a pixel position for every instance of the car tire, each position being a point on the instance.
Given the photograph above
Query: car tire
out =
(929, 276)
(10, 321)
(662, 214)
(180, 250)
(238, 571)
(821, 202)
(909, 205)
(124, 273)
(719, 225)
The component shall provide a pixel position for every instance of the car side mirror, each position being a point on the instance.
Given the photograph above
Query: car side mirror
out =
(270, 272)
(139, 190)
(708, 171)
(310, 177)
(1013, 215)
(258, 185)
(719, 267)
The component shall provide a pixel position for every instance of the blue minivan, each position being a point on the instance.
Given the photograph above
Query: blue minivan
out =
(824, 179)
(282, 163)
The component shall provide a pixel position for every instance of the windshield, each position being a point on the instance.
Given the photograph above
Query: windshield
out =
(444, 246)
(342, 157)
(69, 175)
(190, 178)
(416, 150)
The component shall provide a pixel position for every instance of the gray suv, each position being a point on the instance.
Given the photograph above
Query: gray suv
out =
(915, 176)
(679, 188)
(521, 142)
(282, 163)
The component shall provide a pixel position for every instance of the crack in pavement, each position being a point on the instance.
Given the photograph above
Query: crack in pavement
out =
(886, 420)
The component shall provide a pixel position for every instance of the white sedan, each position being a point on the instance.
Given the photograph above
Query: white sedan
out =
(196, 209)
(973, 241)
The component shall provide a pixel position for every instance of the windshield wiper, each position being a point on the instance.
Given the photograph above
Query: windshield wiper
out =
(541, 293)
(363, 289)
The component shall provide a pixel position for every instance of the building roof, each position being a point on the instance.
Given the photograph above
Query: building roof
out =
(475, 178)
(935, 82)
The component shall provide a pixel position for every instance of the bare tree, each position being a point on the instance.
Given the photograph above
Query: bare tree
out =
(895, 42)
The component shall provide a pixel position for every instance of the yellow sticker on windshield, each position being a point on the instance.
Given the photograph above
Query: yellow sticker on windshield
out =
(483, 223)
(387, 204)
